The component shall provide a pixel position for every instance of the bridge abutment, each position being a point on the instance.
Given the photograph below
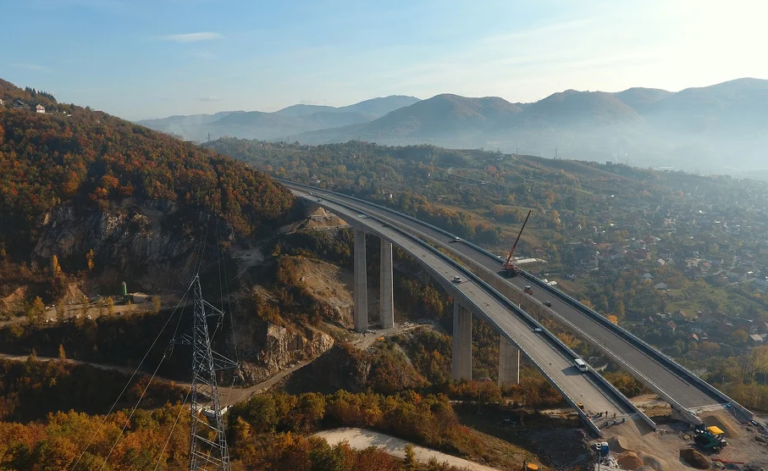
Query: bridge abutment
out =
(509, 362)
(461, 364)
(360, 286)
(386, 297)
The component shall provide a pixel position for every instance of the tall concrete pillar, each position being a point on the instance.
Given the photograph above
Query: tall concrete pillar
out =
(360, 289)
(509, 362)
(461, 365)
(386, 298)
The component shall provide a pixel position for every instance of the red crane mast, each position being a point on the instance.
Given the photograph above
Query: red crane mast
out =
(508, 266)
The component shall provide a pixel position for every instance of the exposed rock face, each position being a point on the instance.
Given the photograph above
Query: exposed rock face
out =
(152, 245)
(133, 239)
(16, 297)
(343, 367)
(280, 348)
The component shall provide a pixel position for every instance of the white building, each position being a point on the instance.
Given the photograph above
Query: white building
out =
(40, 108)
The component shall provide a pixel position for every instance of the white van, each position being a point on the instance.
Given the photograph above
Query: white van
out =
(580, 364)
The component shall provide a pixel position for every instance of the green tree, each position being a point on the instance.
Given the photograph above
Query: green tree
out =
(739, 337)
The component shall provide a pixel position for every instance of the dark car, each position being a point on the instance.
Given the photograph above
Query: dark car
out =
(547, 303)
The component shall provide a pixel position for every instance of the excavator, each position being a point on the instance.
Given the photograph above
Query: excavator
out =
(509, 268)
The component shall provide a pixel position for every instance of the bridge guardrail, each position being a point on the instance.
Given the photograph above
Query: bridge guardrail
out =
(527, 317)
(647, 348)
(565, 297)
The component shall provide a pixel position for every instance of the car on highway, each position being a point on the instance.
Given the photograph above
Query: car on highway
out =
(581, 365)
(547, 303)
(456, 239)
(538, 330)
(457, 279)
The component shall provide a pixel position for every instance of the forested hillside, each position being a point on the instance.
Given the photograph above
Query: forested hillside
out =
(75, 155)
(677, 258)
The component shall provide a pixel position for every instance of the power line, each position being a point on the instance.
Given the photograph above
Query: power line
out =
(170, 435)
(95, 432)
(208, 442)
(133, 411)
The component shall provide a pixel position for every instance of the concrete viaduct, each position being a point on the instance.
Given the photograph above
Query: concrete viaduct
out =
(683, 390)
(473, 297)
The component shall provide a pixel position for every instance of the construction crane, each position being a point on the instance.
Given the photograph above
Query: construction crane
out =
(509, 268)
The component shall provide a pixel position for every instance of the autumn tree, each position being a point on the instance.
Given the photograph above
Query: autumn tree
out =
(156, 304)
(110, 306)
(85, 303)
(89, 259)
(36, 311)
(62, 353)
(55, 268)
(620, 309)
(61, 310)
(410, 458)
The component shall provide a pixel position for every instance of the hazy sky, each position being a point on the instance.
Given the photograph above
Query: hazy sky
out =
(153, 58)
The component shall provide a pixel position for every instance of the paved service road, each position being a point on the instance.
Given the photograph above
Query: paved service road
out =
(687, 393)
(552, 361)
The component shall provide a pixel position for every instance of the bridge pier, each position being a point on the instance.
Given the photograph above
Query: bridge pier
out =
(509, 362)
(386, 298)
(461, 361)
(360, 286)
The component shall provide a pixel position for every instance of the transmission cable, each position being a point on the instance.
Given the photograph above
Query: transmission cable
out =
(133, 411)
(111, 409)
(170, 435)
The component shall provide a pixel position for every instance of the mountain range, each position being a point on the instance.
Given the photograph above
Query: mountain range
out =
(720, 128)
(280, 124)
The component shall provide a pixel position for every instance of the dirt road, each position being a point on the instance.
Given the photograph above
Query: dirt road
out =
(228, 395)
(360, 439)
(367, 339)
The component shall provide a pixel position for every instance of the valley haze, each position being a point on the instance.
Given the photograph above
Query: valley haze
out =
(719, 129)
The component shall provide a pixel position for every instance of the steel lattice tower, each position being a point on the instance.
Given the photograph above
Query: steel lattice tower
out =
(208, 443)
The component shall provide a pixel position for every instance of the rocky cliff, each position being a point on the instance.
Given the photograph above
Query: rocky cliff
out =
(276, 348)
(149, 242)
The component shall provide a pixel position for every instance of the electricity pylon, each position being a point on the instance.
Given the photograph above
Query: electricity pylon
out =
(207, 440)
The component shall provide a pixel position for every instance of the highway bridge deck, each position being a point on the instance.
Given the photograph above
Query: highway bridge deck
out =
(688, 393)
(584, 388)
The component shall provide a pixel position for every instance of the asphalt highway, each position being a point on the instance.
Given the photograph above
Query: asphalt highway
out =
(551, 360)
(637, 362)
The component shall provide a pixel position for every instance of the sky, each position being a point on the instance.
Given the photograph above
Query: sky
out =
(142, 59)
